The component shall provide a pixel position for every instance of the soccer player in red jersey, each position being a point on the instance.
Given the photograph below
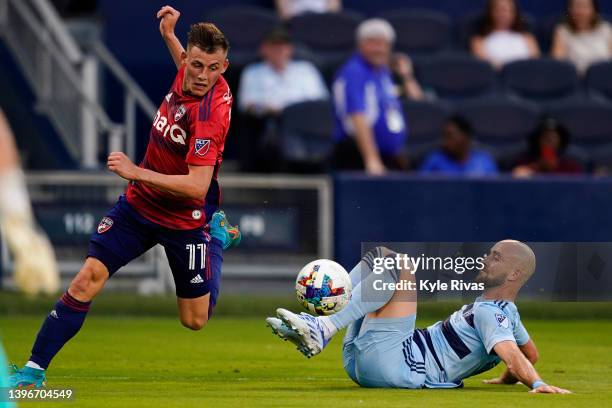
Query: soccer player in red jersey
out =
(171, 198)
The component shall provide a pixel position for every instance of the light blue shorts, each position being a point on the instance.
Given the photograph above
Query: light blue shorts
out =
(380, 353)
(4, 380)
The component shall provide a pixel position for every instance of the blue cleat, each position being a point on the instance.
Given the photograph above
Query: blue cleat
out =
(27, 377)
(306, 331)
(221, 229)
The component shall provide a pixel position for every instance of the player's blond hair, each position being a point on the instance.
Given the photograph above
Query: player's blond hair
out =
(207, 37)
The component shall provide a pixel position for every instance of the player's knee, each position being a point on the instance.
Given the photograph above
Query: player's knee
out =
(87, 283)
(194, 323)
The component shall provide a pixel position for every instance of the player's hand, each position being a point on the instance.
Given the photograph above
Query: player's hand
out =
(499, 380)
(168, 17)
(549, 389)
(121, 165)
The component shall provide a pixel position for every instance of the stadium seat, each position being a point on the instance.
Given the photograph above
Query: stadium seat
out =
(589, 123)
(330, 36)
(306, 130)
(419, 32)
(456, 76)
(245, 27)
(501, 123)
(540, 80)
(598, 80)
(425, 122)
(326, 31)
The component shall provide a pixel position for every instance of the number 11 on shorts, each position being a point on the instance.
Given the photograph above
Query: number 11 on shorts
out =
(192, 248)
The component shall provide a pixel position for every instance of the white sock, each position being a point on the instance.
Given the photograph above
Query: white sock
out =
(32, 364)
(329, 329)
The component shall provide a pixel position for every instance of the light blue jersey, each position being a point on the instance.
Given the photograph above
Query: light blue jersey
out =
(390, 353)
(462, 345)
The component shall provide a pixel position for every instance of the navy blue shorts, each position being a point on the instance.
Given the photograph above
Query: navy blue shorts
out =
(194, 257)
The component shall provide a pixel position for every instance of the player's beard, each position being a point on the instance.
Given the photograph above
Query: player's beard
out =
(488, 280)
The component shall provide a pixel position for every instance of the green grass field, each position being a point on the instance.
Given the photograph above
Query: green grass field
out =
(236, 362)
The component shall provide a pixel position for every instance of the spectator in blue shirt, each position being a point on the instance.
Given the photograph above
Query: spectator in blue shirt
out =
(456, 155)
(370, 128)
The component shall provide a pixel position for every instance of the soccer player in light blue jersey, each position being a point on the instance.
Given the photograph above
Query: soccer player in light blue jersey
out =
(382, 348)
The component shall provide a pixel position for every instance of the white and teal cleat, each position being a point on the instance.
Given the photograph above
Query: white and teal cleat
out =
(286, 333)
(308, 331)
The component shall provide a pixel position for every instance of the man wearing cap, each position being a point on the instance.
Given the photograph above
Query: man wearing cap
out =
(267, 87)
(370, 128)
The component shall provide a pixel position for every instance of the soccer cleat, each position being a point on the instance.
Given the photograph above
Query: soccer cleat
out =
(220, 228)
(27, 377)
(310, 338)
(286, 333)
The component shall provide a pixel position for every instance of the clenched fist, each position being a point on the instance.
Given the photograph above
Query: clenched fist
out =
(121, 165)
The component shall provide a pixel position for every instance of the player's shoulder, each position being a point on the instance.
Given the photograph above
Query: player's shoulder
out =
(495, 307)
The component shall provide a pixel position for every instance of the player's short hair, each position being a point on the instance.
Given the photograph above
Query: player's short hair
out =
(207, 37)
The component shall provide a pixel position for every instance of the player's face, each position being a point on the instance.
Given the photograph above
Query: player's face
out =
(497, 266)
(376, 51)
(202, 70)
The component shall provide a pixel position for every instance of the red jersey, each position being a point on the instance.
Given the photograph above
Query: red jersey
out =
(186, 131)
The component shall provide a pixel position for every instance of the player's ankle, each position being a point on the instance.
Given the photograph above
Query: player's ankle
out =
(329, 329)
(34, 365)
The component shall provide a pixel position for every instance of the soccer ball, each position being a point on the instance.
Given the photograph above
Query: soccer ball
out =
(323, 287)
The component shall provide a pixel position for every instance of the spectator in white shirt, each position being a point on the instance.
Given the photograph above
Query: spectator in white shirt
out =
(583, 37)
(266, 88)
(288, 9)
(502, 37)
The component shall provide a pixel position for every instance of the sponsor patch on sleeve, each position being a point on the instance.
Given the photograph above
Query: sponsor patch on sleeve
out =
(502, 320)
(201, 147)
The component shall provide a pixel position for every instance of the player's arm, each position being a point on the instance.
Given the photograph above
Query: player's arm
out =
(168, 17)
(364, 137)
(522, 369)
(192, 185)
(530, 351)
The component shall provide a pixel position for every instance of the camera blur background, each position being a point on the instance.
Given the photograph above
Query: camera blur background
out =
(504, 126)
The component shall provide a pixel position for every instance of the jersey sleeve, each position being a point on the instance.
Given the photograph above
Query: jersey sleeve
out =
(352, 91)
(208, 129)
(520, 333)
(493, 326)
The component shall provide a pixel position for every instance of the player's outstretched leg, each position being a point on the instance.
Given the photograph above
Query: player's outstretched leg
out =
(62, 323)
(314, 333)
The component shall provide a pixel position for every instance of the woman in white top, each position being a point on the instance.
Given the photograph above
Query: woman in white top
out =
(502, 37)
(288, 9)
(583, 37)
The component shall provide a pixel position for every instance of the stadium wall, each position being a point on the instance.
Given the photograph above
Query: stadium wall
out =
(412, 209)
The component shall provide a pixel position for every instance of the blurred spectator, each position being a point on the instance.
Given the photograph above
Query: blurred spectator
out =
(547, 152)
(456, 155)
(403, 75)
(370, 128)
(583, 37)
(287, 9)
(265, 89)
(502, 36)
